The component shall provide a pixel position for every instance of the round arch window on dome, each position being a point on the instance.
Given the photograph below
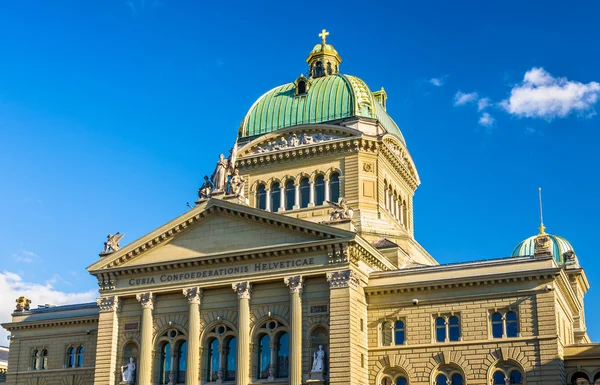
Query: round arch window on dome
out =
(302, 85)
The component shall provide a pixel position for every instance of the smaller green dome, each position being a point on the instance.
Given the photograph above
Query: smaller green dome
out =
(324, 48)
(558, 246)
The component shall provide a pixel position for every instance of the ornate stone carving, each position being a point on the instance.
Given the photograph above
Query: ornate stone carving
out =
(146, 300)
(542, 245)
(108, 304)
(205, 190)
(112, 243)
(318, 360)
(193, 294)
(237, 184)
(243, 289)
(23, 303)
(127, 372)
(293, 140)
(368, 167)
(294, 283)
(344, 278)
(341, 211)
(219, 176)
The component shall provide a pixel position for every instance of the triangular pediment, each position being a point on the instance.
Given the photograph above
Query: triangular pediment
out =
(217, 228)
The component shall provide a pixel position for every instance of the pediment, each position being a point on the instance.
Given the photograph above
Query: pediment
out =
(402, 155)
(217, 227)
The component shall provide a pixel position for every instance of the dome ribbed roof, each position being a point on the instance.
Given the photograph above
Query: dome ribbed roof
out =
(559, 246)
(328, 98)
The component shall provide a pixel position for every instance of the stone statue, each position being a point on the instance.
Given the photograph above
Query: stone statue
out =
(112, 243)
(206, 188)
(128, 371)
(23, 303)
(341, 211)
(237, 183)
(219, 177)
(294, 141)
(318, 359)
(233, 157)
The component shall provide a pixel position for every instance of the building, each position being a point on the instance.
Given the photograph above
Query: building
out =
(303, 268)
(3, 363)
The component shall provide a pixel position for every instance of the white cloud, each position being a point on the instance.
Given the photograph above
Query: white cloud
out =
(438, 82)
(483, 103)
(12, 286)
(540, 95)
(25, 256)
(461, 98)
(486, 120)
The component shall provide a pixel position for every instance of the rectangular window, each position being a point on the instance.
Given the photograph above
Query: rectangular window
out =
(362, 360)
(362, 325)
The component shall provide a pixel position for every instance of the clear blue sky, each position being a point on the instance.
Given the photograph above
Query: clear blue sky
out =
(112, 111)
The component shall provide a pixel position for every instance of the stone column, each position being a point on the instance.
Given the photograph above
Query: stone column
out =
(297, 197)
(268, 199)
(281, 197)
(311, 203)
(105, 371)
(243, 290)
(144, 367)
(326, 191)
(192, 377)
(295, 285)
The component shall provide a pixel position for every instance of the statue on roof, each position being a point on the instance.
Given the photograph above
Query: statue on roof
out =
(206, 188)
(341, 211)
(23, 303)
(219, 176)
(237, 183)
(112, 243)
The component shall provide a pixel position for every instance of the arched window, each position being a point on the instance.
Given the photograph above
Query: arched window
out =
(71, 357)
(44, 359)
(334, 187)
(497, 325)
(597, 378)
(79, 358)
(35, 359)
(301, 87)
(386, 381)
(516, 377)
(212, 361)
(264, 356)
(261, 197)
(440, 329)
(181, 362)
(290, 194)
(404, 214)
(580, 378)
(399, 333)
(319, 190)
(401, 381)
(457, 379)
(395, 206)
(230, 363)
(386, 334)
(275, 197)
(165, 363)
(498, 378)
(304, 193)
(512, 329)
(454, 328)
(283, 355)
(441, 380)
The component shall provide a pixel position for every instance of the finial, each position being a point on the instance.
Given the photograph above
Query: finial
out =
(542, 227)
(323, 35)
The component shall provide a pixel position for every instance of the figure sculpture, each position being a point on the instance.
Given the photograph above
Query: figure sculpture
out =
(318, 358)
(219, 176)
(112, 243)
(341, 211)
(128, 371)
(237, 184)
(206, 188)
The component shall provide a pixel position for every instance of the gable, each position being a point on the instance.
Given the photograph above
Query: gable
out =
(220, 233)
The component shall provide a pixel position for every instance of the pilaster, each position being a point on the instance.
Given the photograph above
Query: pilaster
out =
(105, 371)
(243, 290)
(295, 284)
(145, 364)
(194, 296)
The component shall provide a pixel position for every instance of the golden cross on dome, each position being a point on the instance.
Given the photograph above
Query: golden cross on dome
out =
(323, 35)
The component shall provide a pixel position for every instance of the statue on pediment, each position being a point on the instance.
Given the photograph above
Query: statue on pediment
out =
(112, 243)
(206, 188)
(341, 211)
(23, 303)
(219, 176)
(237, 183)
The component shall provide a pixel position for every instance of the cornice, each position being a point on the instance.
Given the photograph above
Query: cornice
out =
(399, 166)
(48, 323)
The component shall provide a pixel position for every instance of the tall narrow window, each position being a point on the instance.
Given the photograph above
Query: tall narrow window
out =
(440, 329)
(290, 194)
(319, 190)
(399, 333)
(79, 358)
(261, 197)
(334, 187)
(395, 206)
(516, 377)
(301, 87)
(275, 197)
(230, 359)
(404, 214)
(497, 325)
(264, 356)
(457, 379)
(283, 355)
(304, 192)
(441, 380)
(498, 378)
(213, 361)
(181, 362)
(386, 334)
(35, 359)
(44, 359)
(512, 330)
(165, 363)
(70, 357)
(454, 328)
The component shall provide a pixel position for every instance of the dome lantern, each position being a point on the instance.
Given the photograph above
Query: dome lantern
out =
(323, 60)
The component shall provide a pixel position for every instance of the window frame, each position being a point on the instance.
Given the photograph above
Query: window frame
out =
(274, 329)
(223, 333)
(505, 328)
(446, 327)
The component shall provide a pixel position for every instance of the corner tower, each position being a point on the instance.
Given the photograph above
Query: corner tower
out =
(325, 137)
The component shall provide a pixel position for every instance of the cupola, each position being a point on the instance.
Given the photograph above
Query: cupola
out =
(323, 60)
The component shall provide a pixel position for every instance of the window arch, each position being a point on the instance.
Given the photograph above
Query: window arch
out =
(386, 334)
(319, 190)
(79, 357)
(35, 359)
(261, 197)
(304, 192)
(334, 187)
(301, 87)
(290, 194)
(273, 350)
(497, 325)
(440, 329)
(44, 359)
(449, 375)
(165, 363)
(399, 331)
(454, 328)
(505, 324)
(580, 378)
(71, 357)
(275, 197)
(171, 347)
(506, 373)
(221, 353)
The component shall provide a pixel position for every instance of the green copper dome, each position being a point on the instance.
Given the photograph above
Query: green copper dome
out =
(558, 247)
(328, 98)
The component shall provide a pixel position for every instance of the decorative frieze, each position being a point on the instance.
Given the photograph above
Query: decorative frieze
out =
(146, 300)
(108, 304)
(294, 283)
(243, 289)
(341, 279)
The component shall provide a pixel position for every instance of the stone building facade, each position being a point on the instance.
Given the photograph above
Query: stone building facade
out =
(299, 265)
